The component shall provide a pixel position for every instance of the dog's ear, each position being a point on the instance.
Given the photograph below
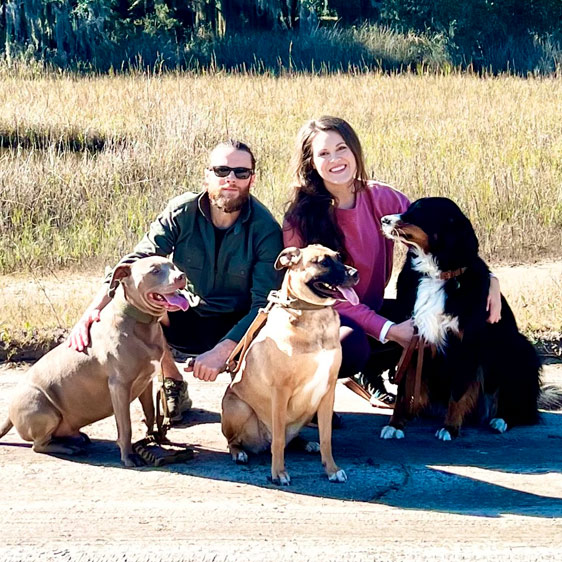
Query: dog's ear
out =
(288, 257)
(119, 273)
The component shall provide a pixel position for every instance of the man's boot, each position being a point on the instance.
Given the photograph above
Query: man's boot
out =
(177, 398)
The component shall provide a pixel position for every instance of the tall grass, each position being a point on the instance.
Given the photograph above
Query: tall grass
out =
(90, 161)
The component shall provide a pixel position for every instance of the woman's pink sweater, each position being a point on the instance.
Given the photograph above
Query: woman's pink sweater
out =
(370, 251)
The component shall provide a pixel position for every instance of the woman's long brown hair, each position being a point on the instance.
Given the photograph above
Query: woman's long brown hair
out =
(311, 210)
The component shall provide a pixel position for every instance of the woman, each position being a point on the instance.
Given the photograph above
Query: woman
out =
(334, 204)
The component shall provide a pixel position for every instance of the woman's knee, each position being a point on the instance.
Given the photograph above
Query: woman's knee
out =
(355, 349)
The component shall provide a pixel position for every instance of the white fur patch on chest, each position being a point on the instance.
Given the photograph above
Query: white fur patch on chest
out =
(317, 386)
(429, 310)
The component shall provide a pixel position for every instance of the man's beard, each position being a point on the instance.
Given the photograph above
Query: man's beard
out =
(226, 204)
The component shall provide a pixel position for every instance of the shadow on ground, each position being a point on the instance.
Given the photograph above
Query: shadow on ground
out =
(480, 473)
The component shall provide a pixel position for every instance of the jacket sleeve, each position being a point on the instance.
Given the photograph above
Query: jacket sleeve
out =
(265, 278)
(366, 317)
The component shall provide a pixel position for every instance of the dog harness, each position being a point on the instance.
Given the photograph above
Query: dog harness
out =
(275, 298)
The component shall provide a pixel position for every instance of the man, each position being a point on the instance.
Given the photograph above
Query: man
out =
(226, 242)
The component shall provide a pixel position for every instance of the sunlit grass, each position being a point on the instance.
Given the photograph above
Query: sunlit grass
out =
(493, 145)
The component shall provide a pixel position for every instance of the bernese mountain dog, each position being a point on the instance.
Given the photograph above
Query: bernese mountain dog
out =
(470, 366)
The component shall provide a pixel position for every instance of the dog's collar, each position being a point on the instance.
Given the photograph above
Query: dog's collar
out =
(128, 309)
(451, 274)
(285, 301)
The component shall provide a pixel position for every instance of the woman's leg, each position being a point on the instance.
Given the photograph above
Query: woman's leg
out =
(383, 357)
(355, 348)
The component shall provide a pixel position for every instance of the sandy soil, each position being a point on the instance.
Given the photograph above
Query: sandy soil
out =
(481, 497)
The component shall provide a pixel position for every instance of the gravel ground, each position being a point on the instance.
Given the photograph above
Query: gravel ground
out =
(481, 497)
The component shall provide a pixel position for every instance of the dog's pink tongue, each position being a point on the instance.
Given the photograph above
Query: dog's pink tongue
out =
(177, 299)
(349, 295)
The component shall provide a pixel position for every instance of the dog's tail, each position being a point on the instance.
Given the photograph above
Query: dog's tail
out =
(5, 427)
(550, 398)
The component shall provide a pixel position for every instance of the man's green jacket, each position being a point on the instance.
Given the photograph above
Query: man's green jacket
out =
(236, 279)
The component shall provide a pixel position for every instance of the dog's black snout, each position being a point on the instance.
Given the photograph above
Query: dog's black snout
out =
(386, 220)
(352, 274)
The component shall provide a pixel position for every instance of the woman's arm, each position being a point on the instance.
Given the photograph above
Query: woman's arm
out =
(494, 302)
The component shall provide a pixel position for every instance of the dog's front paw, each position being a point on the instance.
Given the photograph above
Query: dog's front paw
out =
(443, 435)
(339, 476)
(389, 432)
(498, 424)
(282, 479)
(312, 447)
(133, 460)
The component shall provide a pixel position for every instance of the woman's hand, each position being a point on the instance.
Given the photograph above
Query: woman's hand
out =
(401, 333)
(494, 302)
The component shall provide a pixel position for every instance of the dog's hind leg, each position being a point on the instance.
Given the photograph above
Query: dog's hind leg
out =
(241, 428)
(325, 413)
(42, 429)
(37, 420)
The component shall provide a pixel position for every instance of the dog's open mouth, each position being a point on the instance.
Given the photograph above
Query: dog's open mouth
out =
(340, 293)
(170, 301)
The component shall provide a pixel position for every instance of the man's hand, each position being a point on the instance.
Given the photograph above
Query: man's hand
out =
(207, 366)
(401, 333)
(494, 302)
(79, 338)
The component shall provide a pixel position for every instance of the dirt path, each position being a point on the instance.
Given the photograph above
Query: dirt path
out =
(482, 497)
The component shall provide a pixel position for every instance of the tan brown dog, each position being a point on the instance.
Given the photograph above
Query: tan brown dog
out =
(291, 368)
(67, 389)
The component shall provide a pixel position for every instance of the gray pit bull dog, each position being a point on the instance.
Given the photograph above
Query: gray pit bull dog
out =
(67, 389)
(291, 368)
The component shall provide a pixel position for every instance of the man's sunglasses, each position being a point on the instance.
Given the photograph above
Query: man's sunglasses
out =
(224, 171)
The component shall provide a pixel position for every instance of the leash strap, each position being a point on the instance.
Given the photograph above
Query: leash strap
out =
(405, 359)
(415, 399)
(235, 359)
(418, 344)
(162, 419)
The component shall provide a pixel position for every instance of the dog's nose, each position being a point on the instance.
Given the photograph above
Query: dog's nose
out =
(386, 220)
(181, 277)
(353, 273)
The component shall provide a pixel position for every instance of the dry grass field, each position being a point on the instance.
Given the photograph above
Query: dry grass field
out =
(87, 162)
(494, 145)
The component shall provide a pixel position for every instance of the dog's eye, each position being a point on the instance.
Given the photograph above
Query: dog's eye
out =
(155, 270)
(325, 262)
